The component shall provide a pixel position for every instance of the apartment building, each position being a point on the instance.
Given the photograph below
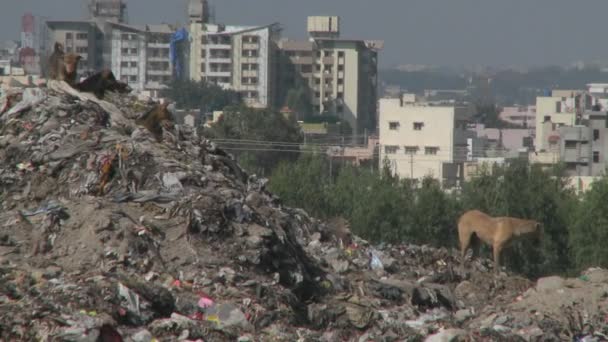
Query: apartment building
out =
(342, 74)
(583, 147)
(137, 54)
(84, 37)
(523, 116)
(424, 139)
(240, 58)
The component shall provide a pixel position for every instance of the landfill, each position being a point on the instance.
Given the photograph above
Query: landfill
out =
(113, 233)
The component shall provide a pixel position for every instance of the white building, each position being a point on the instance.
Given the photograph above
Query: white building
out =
(239, 58)
(424, 139)
(140, 55)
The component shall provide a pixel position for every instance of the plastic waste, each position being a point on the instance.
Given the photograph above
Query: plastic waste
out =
(375, 263)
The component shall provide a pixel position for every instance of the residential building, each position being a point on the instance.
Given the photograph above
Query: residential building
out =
(240, 58)
(84, 37)
(523, 116)
(341, 74)
(137, 54)
(356, 155)
(506, 142)
(583, 147)
(128, 54)
(108, 10)
(424, 139)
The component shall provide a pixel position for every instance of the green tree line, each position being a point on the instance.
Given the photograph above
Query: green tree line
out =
(382, 208)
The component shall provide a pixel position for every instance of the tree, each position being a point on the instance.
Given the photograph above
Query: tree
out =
(200, 95)
(259, 138)
(300, 101)
(527, 191)
(589, 228)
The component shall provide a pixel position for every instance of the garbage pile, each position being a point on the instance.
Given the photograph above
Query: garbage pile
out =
(116, 231)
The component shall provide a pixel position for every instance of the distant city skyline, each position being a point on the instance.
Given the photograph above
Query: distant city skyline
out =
(431, 32)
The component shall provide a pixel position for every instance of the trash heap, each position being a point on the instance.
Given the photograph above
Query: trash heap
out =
(109, 234)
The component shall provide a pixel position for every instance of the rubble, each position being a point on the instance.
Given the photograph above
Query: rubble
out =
(110, 233)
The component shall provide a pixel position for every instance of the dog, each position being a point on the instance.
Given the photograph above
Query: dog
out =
(497, 232)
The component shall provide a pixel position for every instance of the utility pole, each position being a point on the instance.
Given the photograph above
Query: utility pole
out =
(412, 166)
(330, 167)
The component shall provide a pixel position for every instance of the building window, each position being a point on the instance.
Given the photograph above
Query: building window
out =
(418, 126)
(570, 144)
(596, 134)
(340, 95)
(393, 125)
(317, 80)
(317, 94)
(341, 54)
(391, 149)
(69, 35)
(69, 49)
(134, 51)
(306, 69)
(81, 49)
(82, 36)
(124, 64)
(340, 81)
(411, 149)
(132, 79)
(124, 51)
(547, 118)
(318, 54)
(318, 68)
(596, 156)
(341, 67)
(133, 64)
(431, 150)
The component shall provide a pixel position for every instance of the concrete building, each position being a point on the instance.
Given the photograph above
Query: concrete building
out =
(128, 54)
(83, 37)
(422, 139)
(341, 74)
(137, 54)
(583, 147)
(506, 143)
(523, 116)
(240, 58)
(108, 10)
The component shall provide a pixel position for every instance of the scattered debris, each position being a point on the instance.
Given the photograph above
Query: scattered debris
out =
(114, 230)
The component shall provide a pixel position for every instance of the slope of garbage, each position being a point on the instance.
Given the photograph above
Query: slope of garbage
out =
(109, 234)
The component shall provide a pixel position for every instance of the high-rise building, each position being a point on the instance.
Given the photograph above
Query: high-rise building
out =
(108, 10)
(341, 74)
(240, 58)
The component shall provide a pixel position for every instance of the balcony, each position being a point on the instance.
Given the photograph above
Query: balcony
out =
(328, 60)
(158, 45)
(218, 73)
(158, 59)
(574, 155)
(250, 73)
(129, 71)
(158, 72)
(251, 46)
(219, 60)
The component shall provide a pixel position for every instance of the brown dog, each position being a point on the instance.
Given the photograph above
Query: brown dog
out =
(154, 119)
(497, 232)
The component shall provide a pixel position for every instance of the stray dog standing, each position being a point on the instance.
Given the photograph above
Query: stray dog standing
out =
(497, 232)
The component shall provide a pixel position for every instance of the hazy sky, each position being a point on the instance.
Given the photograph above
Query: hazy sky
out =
(438, 32)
